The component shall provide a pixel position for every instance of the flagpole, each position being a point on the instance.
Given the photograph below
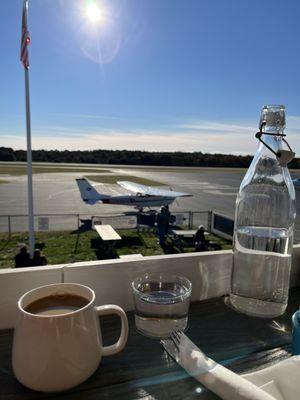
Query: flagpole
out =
(29, 167)
(29, 154)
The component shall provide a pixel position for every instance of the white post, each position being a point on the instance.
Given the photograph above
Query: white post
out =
(24, 58)
(29, 167)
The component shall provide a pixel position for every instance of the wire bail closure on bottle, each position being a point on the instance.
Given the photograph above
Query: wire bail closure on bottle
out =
(283, 156)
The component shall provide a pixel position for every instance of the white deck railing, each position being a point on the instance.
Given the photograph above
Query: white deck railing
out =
(209, 273)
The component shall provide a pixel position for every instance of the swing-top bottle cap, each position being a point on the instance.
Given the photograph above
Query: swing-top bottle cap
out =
(273, 118)
(272, 122)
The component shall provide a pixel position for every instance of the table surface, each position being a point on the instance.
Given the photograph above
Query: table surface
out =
(107, 232)
(144, 371)
(178, 232)
(190, 232)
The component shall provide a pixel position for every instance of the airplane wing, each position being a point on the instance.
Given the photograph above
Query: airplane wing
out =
(150, 190)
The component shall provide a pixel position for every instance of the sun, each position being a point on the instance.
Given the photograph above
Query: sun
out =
(94, 12)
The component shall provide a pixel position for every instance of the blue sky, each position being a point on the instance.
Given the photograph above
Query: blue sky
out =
(166, 75)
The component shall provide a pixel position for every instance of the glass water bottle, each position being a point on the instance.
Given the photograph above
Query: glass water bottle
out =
(264, 222)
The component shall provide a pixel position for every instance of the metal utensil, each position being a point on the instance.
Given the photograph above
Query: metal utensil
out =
(172, 345)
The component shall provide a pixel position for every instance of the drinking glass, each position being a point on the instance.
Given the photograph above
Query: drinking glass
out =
(161, 303)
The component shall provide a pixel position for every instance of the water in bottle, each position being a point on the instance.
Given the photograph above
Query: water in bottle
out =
(264, 222)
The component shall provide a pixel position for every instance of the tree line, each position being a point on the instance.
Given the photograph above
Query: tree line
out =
(129, 157)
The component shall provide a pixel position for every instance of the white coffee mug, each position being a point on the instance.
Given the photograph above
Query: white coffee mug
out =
(57, 352)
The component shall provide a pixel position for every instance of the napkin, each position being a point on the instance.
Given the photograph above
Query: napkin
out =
(281, 380)
(220, 380)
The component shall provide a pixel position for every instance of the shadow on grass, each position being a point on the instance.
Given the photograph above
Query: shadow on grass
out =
(104, 254)
(96, 243)
(129, 241)
(103, 251)
(169, 248)
(76, 243)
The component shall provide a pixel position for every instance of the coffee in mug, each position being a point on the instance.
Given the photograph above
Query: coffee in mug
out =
(57, 338)
(56, 304)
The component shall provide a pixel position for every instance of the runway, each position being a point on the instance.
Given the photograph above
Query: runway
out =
(57, 193)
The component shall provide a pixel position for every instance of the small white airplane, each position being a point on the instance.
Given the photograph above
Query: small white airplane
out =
(142, 196)
(296, 183)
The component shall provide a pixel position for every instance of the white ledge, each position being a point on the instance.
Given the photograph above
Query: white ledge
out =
(209, 272)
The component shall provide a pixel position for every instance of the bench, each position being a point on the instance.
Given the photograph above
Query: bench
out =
(186, 238)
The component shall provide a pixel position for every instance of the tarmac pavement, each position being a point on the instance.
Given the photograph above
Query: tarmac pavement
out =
(57, 193)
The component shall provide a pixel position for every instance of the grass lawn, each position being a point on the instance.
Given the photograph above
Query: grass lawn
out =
(67, 247)
(115, 178)
(145, 168)
(14, 170)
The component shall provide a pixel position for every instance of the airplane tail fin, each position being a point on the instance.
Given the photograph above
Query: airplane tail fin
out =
(88, 193)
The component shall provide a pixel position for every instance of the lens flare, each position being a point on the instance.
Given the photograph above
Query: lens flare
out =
(94, 12)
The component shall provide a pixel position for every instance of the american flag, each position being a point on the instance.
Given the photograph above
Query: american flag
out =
(25, 39)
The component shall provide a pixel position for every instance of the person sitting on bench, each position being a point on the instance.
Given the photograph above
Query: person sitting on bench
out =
(201, 244)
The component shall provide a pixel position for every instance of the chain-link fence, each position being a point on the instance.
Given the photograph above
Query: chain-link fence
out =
(43, 222)
(69, 222)
(192, 219)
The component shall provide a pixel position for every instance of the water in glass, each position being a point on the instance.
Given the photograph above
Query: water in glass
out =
(161, 307)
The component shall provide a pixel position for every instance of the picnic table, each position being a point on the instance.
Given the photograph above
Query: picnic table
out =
(181, 237)
(107, 233)
(144, 371)
(108, 236)
(184, 233)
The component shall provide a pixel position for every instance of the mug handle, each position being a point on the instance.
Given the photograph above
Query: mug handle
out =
(120, 344)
